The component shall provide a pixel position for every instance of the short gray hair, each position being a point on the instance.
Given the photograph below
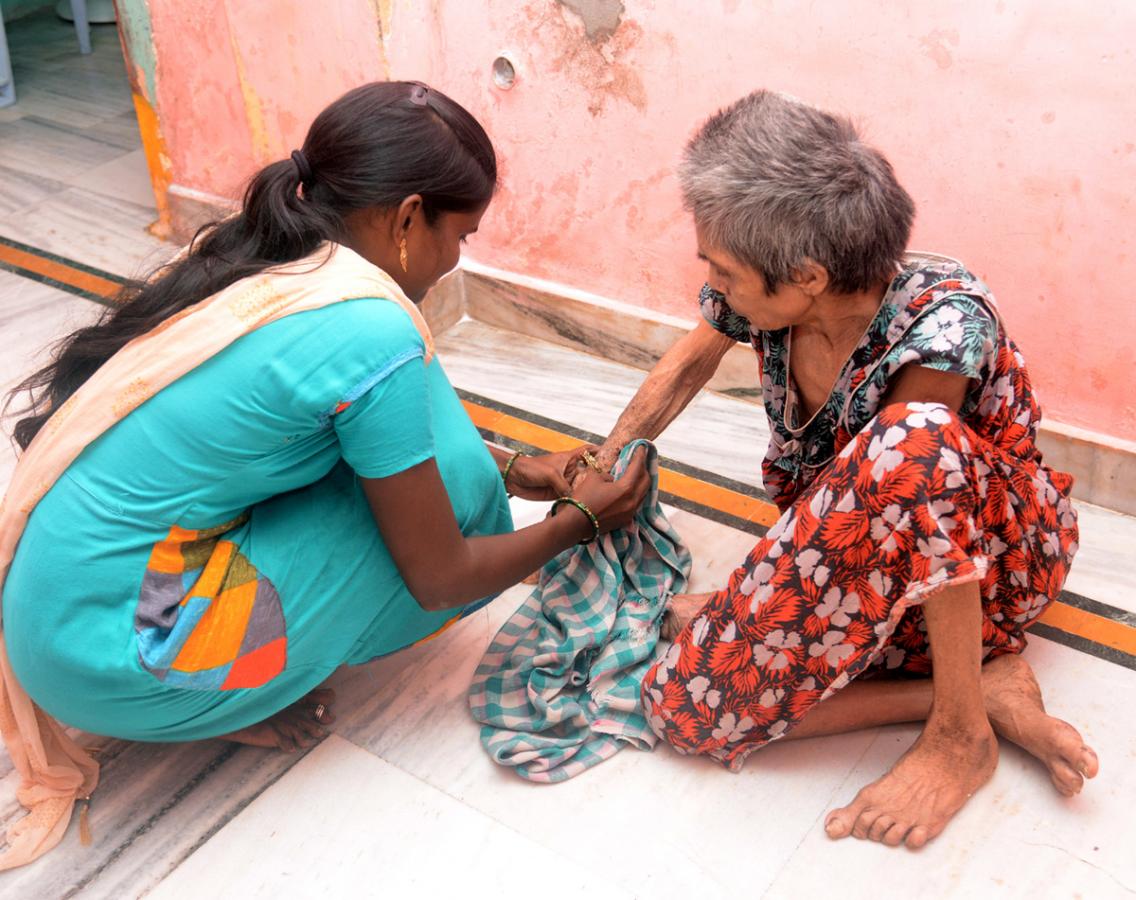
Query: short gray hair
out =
(774, 181)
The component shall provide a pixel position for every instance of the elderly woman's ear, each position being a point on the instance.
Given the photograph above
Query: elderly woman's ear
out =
(811, 277)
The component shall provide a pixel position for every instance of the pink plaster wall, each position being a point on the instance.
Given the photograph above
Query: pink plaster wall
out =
(239, 82)
(1013, 124)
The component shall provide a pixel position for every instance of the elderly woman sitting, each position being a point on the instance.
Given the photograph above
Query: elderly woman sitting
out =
(918, 521)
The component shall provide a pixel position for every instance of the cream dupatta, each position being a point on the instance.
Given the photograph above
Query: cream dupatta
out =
(55, 771)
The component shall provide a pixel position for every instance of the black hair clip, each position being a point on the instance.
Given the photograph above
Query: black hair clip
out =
(419, 95)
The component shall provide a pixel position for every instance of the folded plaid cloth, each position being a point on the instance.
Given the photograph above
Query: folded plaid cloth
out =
(557, 692)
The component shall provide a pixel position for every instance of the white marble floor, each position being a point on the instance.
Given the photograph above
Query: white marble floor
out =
(71, 165)
(401, 800)
(404, 781)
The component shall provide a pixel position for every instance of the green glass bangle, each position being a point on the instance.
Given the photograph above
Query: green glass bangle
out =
(509, 468)
(572, 501)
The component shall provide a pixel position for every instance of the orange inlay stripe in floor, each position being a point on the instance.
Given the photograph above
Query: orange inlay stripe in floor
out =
(57, 271)
(1091, 627)
(1062, 616)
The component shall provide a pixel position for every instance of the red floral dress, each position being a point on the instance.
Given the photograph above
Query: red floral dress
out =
(880, 508)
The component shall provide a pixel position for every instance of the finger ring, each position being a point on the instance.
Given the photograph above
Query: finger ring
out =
(320, 710)
(591, 461)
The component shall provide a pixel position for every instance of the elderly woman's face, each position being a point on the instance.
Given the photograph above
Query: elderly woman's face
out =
(744, 289)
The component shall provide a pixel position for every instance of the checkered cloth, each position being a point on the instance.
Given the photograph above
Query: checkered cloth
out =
(557, 692)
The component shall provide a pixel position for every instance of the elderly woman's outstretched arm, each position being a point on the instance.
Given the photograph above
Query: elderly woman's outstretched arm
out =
(682, 372)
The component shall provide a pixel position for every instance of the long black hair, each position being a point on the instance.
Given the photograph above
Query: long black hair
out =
(371, 148)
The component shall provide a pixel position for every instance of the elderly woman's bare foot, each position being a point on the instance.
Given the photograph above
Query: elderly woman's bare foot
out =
(1017, 712)
(295, 728)
(914, 802)
(681, 608)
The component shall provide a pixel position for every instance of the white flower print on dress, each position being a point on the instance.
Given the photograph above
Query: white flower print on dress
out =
(950, 463)
(771, 651)
(730, 729)
(1031, 608)
(894, 656)
(663, 673)
(1046, 492)
(771, 697)
(699, 631)
(940, 511)
(758, 577)
(922, 414)
(832, 648)
(1000, 394)
(838, 609)
(884, 527)
(881, 450)
(820, 503)
(880, 583)
(944, 327)
(699, 691)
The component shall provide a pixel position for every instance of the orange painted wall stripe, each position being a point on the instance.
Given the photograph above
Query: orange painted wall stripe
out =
(60, 272)
(1062, 616)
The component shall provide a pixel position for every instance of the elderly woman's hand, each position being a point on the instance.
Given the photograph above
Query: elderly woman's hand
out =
(598, 461)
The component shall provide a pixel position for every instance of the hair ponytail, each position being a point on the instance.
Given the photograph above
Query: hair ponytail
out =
(373, 147)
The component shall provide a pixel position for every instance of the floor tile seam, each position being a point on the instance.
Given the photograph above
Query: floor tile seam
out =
(826, 807)
(223, 756)
(187, 788)
(76, 131)
(486, 814)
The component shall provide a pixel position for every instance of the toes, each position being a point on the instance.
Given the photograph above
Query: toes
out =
(839, 822)
(1065, 778)
(918, 837)
(864, 822)
(881, 827)
(1089, 764)
(894, 836)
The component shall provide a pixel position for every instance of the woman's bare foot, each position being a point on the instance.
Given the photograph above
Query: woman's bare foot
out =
(931, 782)
(294, 728)
(681, 608)
(1017, 712)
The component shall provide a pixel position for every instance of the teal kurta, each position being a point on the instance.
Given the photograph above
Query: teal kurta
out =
(212, 558)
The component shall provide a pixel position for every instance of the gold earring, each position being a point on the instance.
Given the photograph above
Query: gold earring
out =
(402, 254)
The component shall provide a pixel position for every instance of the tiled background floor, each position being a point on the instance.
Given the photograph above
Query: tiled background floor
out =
(401, 800)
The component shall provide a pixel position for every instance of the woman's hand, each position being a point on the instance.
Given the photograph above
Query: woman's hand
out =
(544, 477)
(614, 503)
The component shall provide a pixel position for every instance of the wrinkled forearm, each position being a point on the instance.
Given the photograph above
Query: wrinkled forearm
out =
(677, 378)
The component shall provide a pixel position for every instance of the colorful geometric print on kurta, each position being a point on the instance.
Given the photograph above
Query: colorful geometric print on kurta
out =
(206, 619)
